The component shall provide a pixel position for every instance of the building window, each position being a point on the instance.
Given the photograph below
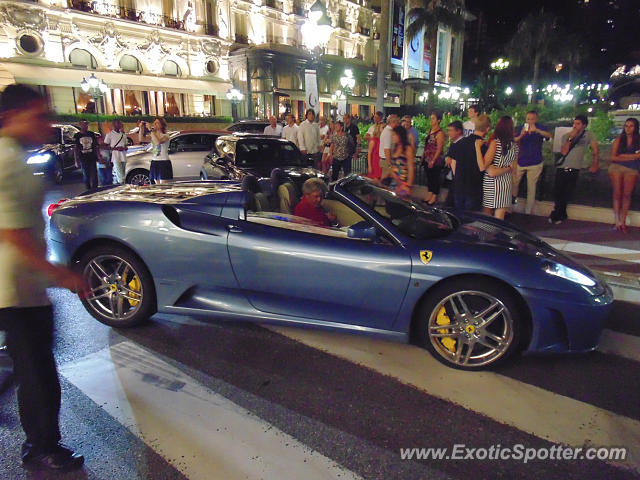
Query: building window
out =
(171, 105)
(129, 63)
(133, 102)
(30, 44)
(212, 67)
(82, 58)
(209, 105)
(171, 69)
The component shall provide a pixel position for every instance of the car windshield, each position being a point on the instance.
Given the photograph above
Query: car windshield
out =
(410, 218)
(268, 153)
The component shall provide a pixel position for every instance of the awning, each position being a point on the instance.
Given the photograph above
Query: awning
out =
(67, 77)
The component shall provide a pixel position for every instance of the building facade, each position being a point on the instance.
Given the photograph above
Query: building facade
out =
(180, 57)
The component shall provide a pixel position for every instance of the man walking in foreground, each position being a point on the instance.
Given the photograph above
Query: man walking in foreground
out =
(25, 311)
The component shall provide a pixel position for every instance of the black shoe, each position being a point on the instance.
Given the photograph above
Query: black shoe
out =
(58, 458)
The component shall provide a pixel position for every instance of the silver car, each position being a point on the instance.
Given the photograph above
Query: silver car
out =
(187, 150)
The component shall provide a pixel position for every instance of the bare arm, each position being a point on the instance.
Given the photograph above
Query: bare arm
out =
(22, 240)
(621, 157)
(484, 162)
(440, 145)
(411, 165)
(595, 152)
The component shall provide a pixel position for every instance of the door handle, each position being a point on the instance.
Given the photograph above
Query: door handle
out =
(234, 229)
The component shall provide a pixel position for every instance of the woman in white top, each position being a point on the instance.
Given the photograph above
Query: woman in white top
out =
(161, 169)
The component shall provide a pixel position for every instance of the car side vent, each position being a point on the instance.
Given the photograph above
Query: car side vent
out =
(172, 215)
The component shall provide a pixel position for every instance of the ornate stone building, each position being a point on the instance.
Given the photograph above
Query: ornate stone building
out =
(180, 57)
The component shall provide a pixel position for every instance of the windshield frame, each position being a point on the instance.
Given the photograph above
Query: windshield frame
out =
(436, 215)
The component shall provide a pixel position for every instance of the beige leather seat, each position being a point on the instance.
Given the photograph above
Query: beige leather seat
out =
(287, 197)
(346, 217)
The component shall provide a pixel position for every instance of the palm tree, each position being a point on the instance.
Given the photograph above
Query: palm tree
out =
(427, 16)
(537, 40)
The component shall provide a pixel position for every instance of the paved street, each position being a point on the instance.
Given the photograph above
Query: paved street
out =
(181, 398)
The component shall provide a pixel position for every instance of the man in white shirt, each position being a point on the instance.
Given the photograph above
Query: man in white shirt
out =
(386, 144)
(290, 130)
(469, 126)
(116, 141)
(309, 138)
(273, 129)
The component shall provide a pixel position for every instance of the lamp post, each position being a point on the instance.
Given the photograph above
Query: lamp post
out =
(498, 66)
(348, 82)
(235, 96)
(97, 89)
(316, 31)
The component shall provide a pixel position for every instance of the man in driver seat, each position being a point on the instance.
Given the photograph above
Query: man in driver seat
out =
(309, 207)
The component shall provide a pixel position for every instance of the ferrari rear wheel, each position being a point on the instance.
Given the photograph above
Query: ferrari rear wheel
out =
(121, 288)
(470, 325)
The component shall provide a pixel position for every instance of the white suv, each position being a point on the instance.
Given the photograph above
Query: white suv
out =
(187, 150)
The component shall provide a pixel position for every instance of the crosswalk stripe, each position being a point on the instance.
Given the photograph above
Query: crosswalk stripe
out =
(621, 344)
(605, 251)
(201, 433)
(531, 409)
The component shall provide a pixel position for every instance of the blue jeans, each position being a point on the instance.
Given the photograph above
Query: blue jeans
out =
(105, 176)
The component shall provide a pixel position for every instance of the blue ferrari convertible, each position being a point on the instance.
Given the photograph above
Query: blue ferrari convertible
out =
(471, 289)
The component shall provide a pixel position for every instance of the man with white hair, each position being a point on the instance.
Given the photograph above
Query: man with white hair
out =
(273, 129)
(309, 206)
(386, 144)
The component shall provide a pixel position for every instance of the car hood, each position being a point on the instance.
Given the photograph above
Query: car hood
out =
(482, 230)
(47, 147)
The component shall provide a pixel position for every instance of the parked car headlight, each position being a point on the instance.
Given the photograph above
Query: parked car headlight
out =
(39, 158)
(570, 274)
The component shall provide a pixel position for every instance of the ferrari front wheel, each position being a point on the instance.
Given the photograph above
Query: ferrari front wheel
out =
(121, 291)
(470, 325)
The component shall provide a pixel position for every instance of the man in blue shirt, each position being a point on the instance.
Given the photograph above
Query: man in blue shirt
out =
(530, 137)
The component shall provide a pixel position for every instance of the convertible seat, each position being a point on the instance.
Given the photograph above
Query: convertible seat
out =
(256, 200)
(287, 198)
(346, 216)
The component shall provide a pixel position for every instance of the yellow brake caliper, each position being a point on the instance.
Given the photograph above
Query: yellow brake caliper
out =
(443, 319)
(134, 285)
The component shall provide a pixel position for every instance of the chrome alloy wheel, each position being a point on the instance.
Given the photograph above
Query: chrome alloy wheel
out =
(116, 291)
(471, 328)
(140, 179)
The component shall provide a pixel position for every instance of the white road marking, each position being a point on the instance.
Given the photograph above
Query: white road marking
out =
(203, 434)
(621, 344)
(545, 414)
(616, 253)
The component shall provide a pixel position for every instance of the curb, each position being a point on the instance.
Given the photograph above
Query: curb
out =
(578, 212)
(625, 286)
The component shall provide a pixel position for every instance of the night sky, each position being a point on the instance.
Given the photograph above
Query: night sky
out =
(608, 27)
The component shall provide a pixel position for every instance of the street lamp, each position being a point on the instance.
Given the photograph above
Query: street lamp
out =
(235, 96)
(97, 89)
(424, 97)
(500, 64)
(348, 82)
(316, 31)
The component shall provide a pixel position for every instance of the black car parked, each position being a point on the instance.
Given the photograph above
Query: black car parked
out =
(55, 159)
(248, 126)
(238, 155)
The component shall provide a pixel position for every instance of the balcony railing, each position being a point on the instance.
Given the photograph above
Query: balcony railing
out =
(119, 11)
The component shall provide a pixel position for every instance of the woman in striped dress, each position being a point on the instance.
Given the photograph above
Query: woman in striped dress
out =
(497, 165)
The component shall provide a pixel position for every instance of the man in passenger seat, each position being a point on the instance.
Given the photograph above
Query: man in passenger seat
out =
(313, 191)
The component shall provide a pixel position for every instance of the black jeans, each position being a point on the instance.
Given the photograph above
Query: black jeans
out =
(336, 165)
(90, 174)
(565, 184)
(433, 178)
(29, 344)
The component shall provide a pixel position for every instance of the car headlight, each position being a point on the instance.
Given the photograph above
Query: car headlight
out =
(38, 158)
(570, 274)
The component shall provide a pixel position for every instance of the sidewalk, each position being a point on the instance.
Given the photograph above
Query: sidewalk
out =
(612, 254)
